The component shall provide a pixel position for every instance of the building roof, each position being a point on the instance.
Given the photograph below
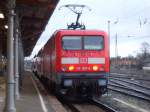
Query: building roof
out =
(33, 17)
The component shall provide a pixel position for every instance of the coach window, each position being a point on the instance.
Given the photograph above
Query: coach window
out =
(71, 43)
(93, 42)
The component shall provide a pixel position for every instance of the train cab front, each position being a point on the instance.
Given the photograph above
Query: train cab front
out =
(84, 63)
(84, 84)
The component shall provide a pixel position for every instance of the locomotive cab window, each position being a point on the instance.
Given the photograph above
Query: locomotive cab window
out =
(83, 42)
(93, 42)
(71, 43)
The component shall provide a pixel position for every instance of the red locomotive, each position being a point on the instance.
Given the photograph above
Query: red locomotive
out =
(75, 62)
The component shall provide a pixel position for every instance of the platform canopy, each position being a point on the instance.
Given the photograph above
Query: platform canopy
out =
(33, 17)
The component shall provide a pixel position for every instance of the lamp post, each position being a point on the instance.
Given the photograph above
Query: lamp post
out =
(108, 28)
(116, 46)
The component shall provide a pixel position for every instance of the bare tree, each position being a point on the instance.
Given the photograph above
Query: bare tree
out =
(144, 54)
(145, 49)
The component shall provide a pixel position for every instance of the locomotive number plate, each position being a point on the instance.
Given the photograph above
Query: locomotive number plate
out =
(83, 60)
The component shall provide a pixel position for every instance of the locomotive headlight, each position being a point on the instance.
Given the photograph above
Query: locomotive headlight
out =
(102, 82)
(71, 68)
(95, 68)
(67, 82)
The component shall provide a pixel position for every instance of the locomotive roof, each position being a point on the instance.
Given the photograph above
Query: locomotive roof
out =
(90, 32)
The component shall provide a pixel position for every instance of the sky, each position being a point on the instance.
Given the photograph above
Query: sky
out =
(129, 21)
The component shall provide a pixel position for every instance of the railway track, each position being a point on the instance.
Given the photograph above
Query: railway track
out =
(130, 90)
(130, 77)
(97, 106)
(91, 106)
(130, 87)
(106, 107)
(127, 76)
(131, 82)
(71, 107)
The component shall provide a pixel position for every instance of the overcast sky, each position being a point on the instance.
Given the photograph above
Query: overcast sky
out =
(132, 20)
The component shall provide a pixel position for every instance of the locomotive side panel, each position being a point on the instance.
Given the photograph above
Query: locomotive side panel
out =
(107, 55)
(46, 60)
(49, 60)
(53, 59)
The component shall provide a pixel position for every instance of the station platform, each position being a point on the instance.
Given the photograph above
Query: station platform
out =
(31, 99)
(2, 91)
(34, 98)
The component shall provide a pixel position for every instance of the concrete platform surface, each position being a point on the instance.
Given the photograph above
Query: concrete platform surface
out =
(33, 96)
(2, 92)
(31, 99)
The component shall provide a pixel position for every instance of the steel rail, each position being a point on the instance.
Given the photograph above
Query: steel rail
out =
(127, 77)
(129, 82)
(117, 84)
(105, 107)
(129, 94)
(68, 104)
(73, 108)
